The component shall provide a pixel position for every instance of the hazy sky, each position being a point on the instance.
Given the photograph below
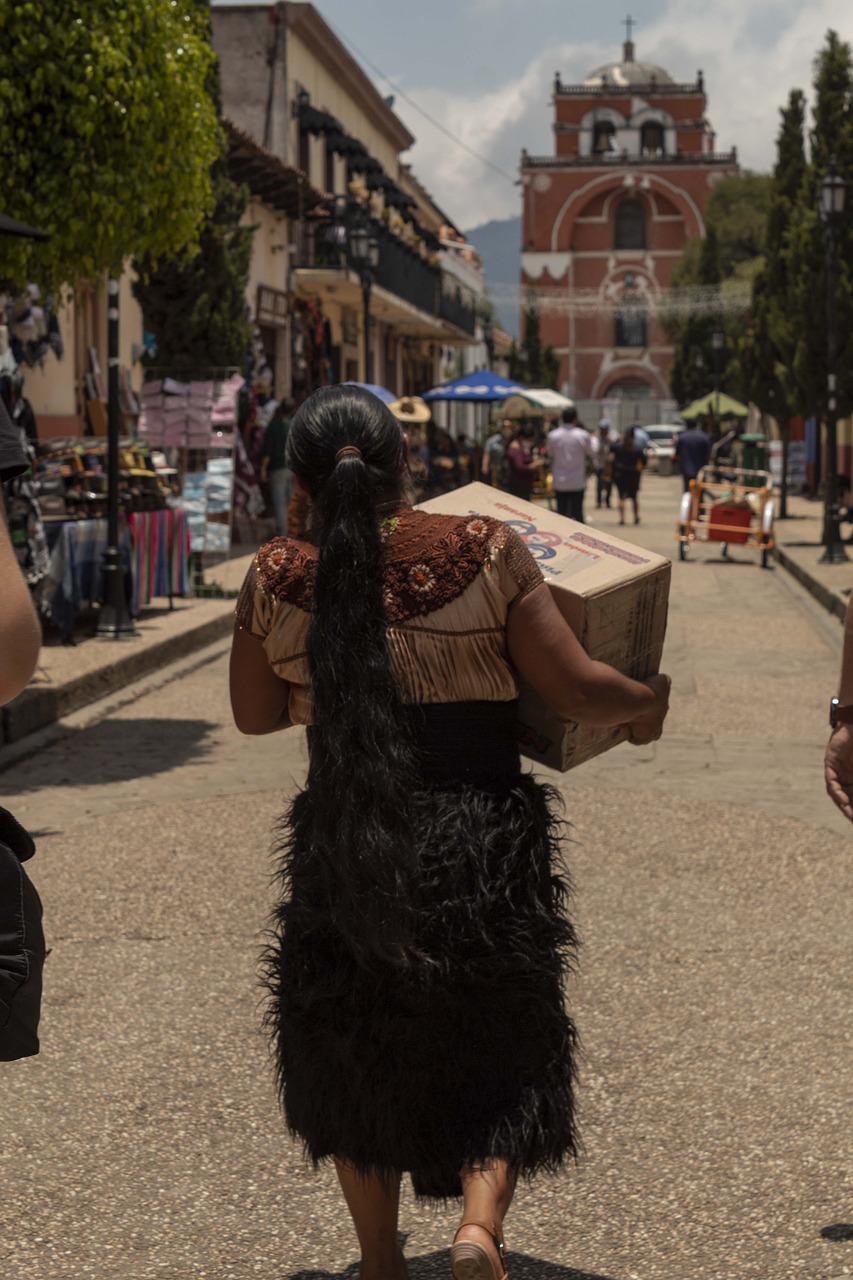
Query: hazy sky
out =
(484, 69)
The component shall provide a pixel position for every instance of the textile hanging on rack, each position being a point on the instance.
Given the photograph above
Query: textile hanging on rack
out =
(161, 551)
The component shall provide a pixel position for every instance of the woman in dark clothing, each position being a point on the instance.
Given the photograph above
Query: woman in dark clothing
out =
(629, 458)
(522, 468)
(421, 939)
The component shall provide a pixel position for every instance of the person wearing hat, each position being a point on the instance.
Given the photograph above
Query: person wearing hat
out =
(414, 413)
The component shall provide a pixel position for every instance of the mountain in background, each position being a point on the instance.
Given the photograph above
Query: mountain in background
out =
(498, 244)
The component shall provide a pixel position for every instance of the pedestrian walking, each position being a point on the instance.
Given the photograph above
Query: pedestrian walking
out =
(421, 939)
(494, 466)
(602, 464)
(692, 453)
(629, 459)
(522, 469)
(570, 447)
(274, 468)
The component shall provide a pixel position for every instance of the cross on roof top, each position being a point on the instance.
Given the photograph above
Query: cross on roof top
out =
(628, 46)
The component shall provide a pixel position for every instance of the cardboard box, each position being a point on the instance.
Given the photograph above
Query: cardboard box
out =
(614, 596)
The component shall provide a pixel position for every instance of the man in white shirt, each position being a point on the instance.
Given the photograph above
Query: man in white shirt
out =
(568, 446)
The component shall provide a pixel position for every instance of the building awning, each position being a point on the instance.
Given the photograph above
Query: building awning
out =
(313, 120)
(268, 178)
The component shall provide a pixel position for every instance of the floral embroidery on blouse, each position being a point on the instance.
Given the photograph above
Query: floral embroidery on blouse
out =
(430, 560)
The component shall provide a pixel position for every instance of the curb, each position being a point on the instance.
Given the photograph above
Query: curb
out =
(40, 705)
(824, 595)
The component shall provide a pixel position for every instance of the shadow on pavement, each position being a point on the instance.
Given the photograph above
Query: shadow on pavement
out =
(519, 1265)
(838, 1231)
(115, 751)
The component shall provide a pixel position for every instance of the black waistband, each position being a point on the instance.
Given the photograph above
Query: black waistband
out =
(471, 743)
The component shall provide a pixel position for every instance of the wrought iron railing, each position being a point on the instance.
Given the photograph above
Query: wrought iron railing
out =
(401, 269)
(457, 305)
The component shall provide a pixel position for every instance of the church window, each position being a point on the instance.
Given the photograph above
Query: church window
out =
(652, 140)
(630, 229)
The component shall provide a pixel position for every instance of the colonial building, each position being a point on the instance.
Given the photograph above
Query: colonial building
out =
(607, 217)
(367, 262)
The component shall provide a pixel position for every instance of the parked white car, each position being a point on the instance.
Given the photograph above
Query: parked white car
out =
(661, 449)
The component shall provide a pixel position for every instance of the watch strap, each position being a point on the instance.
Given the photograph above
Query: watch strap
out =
(840, 714)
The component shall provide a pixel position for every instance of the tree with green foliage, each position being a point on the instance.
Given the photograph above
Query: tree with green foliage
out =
(692, 334)
(534, 363)
(769, 342)
(831, 137)
(193, 302)
(715, 265)
(106, 132)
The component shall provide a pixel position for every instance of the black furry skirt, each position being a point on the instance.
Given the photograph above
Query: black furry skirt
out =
(426, 1068)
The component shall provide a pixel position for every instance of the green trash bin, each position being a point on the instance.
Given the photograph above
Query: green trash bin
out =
(753, 450)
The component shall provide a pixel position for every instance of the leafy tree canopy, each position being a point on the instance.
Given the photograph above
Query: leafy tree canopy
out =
(106, 132)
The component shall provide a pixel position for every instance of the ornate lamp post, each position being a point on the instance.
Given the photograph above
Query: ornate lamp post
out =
(114, 620)
(832, 194)
(364, 256)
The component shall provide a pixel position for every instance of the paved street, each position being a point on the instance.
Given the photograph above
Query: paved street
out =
(713, 886)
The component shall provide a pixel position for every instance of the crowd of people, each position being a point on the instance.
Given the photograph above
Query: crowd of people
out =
(519, 457)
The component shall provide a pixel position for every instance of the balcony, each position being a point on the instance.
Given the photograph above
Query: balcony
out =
(401, 270)
(457, 305)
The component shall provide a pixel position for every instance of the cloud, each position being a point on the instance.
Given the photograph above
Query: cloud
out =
(751, 54)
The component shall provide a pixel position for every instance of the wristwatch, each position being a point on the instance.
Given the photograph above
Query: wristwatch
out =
(839, 714)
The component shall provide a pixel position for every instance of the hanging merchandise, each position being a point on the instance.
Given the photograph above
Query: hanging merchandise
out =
(196, 422)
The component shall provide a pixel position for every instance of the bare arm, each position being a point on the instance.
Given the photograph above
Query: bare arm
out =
(838, 763)
(259, 698)
(20, 633)
(546, 652)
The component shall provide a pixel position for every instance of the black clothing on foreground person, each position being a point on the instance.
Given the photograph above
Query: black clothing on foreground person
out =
(422, 936)
(22, 946)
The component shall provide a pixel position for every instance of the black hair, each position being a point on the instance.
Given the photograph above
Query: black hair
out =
(569, 415)
(354, 819)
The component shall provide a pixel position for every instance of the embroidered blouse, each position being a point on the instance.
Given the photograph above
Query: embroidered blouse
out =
(449, 585)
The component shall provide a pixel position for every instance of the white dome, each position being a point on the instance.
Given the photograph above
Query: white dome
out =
(623, 74)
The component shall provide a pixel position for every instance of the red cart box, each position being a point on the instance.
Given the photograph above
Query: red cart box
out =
(727, 523)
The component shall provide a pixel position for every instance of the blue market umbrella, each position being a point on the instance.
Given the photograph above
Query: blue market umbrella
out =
(482, 386)
(381, 393)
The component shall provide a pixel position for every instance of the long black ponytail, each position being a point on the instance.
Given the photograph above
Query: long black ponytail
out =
(354, 821)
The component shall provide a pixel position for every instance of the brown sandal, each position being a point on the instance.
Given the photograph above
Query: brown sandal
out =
(470, 1261)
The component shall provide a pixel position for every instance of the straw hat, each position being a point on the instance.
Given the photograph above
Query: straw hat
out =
(410, 409)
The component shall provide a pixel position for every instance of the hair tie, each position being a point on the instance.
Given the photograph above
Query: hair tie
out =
(348, 451)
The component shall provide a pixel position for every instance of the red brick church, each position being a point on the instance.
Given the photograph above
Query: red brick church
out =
(607, 217)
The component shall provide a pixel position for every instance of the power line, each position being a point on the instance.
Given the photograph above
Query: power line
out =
(417, 107)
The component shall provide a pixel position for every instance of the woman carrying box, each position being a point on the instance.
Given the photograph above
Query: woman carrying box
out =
(422, 937)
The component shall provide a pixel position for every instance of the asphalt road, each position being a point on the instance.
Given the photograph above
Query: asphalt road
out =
(713, 884)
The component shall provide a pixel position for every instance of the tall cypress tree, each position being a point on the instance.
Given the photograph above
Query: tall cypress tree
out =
(769, 347)
(831, 136)
(194, 303)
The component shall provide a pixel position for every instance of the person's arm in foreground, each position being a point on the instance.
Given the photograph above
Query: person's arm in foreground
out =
(546, 652)
(259, 698)
(20, 634)
(838, 762)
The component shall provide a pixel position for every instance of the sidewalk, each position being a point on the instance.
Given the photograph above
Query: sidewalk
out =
(70, 678)
(799, 549)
